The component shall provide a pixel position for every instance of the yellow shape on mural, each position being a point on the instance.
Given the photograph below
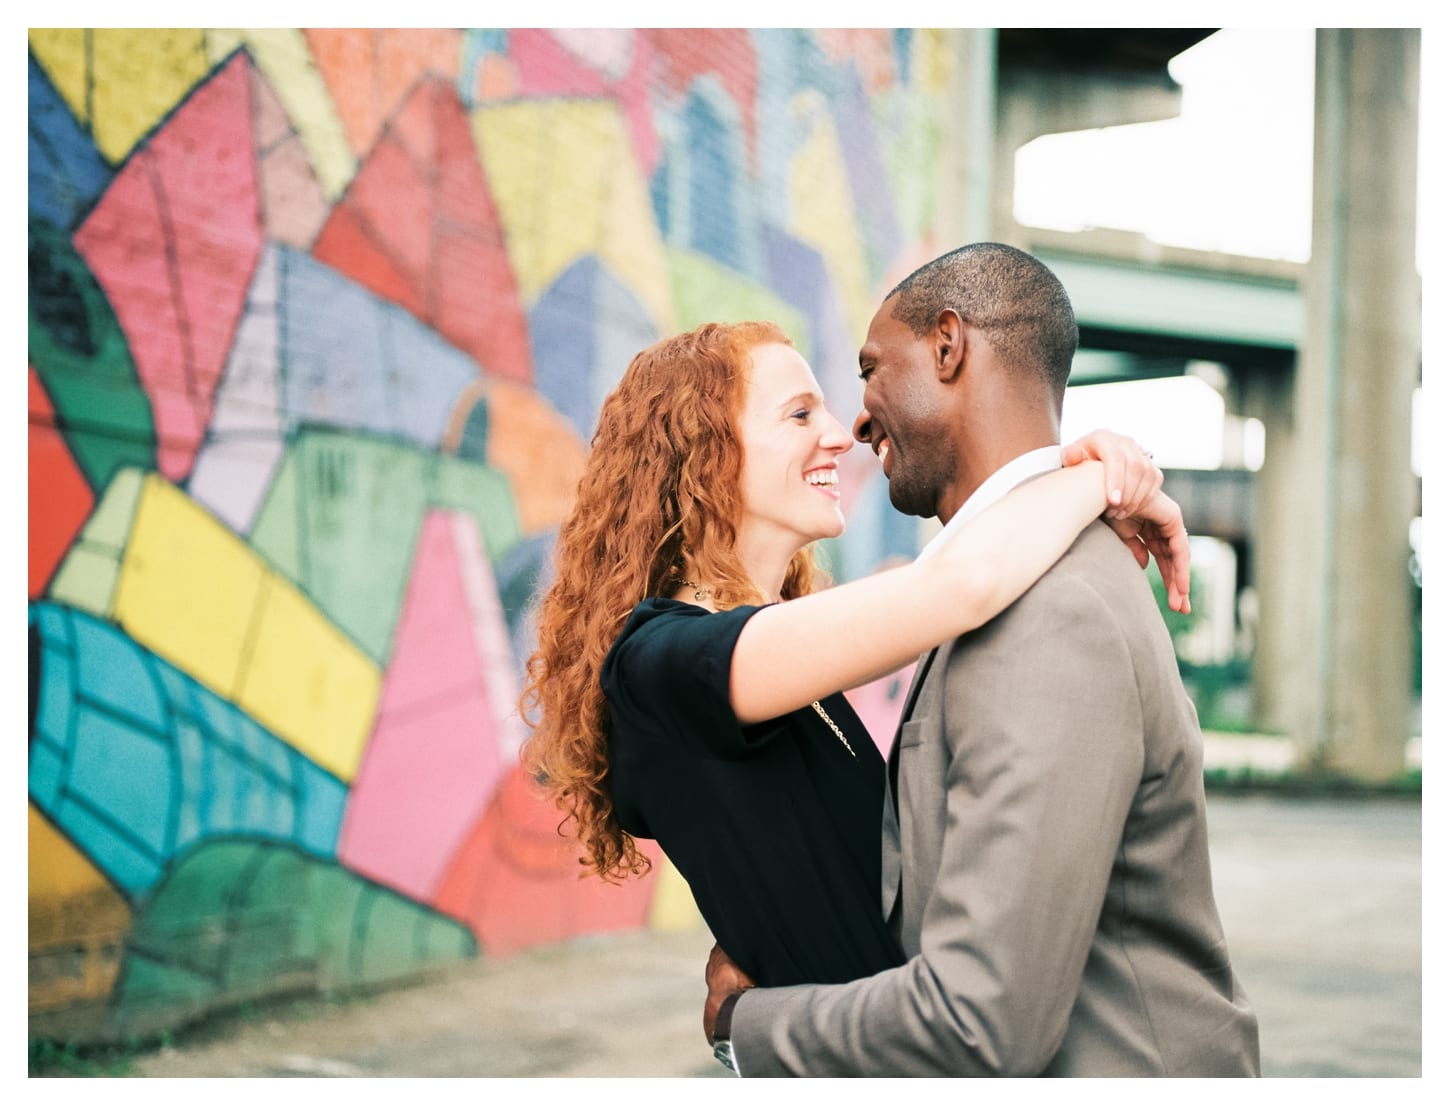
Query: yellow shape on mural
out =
(78, 922)
(930, 61)
(121, 82)
(196, 595)
(282, 55)
(566, 183)
(823, 213)
(188, 587)
(309, 683)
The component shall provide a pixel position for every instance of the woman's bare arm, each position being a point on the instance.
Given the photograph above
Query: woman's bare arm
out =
(793, 653)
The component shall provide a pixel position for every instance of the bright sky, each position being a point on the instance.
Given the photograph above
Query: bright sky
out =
(1233, 172)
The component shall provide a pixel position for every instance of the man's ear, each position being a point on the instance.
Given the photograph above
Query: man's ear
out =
(949, 345)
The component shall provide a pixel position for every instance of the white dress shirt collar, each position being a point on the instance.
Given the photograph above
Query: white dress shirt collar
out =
(1016, 471)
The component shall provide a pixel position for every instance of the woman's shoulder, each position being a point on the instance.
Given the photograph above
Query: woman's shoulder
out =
(667, 632)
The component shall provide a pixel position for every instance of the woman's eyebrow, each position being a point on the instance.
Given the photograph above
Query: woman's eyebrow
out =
(799, 398)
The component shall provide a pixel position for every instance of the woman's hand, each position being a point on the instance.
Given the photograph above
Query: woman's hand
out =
(1131, 477)
(1157, 528)
(1138, 511)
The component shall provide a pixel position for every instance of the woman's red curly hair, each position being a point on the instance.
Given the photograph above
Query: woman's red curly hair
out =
(662, 483)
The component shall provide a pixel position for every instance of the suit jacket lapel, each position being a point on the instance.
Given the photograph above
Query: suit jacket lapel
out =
(922, 665)
(890, 824)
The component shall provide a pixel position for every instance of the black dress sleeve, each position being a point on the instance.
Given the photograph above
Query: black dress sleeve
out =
(668, 673)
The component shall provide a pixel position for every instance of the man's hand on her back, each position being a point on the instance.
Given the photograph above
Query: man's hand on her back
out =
(722, 978)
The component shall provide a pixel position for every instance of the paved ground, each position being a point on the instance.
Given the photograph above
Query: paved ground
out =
(1320, 901)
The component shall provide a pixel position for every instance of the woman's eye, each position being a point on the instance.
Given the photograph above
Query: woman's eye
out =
(802, 414)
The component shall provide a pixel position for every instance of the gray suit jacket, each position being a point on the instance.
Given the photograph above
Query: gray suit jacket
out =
(1048, 875)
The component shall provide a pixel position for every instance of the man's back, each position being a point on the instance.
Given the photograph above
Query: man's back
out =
(1052, 830)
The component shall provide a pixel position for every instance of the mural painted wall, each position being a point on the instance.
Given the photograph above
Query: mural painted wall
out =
(320, 324)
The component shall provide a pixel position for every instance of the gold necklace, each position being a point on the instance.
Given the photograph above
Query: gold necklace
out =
(835, 728)
(700, 592)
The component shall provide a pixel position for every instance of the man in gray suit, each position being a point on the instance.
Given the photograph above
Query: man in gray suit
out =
(1048, 870)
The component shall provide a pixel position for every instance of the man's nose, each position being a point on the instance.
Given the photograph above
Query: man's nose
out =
(861, 430)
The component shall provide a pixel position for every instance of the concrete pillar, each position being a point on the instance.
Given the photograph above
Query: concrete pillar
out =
(1359, 365)
(1276, 558)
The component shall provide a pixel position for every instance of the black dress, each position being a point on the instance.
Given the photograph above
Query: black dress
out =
(776, 827)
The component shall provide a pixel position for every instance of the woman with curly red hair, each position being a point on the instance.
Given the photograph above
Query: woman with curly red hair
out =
(688, 671)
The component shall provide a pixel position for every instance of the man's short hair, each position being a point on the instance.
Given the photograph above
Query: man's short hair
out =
(1014, 299)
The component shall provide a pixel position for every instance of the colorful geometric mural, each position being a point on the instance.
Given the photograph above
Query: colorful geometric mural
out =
(320, 323)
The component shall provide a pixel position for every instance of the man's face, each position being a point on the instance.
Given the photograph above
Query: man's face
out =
(903, 417)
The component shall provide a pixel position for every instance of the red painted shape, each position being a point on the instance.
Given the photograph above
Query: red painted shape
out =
(345, 244)
(421, 204)
(60, 499)
(546, 67)
(173, 243)
(726, 53)
(516, 882)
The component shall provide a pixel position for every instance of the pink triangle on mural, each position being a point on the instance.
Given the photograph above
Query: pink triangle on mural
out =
(442, 730)
(173, 243)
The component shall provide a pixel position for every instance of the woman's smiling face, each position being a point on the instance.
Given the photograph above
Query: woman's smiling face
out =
(791, 443)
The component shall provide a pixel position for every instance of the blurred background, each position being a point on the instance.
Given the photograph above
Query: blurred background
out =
(320, 322)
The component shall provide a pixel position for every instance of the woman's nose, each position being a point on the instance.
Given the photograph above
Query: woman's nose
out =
(835, 437)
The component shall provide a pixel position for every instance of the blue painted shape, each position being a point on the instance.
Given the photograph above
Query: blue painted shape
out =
(318, 814)
(798, 274)
(871, 192)
(659, 194)
(47, 771)
(715, 149)
(53, 712)
(129, 867)
(67, 172)
(584, 330)
(124, 771)
(562, 329)
(358, 362)
(478, 43)
(901, 43)
(125, 680)
(142, 761)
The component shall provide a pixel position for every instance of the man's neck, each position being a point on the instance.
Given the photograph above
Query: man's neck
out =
(983, 465)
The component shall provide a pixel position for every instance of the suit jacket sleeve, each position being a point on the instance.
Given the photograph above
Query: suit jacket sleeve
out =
(1043, 754)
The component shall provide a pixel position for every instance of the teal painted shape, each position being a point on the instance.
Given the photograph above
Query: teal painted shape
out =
(80, 352)
(239, 919)
(473, 443)
(135, 761)
(344, 514)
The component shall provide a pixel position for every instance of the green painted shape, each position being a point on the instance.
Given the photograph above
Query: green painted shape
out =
(240, 919)
(705, 291)
(343, 517)
(911, 124)
(78, 348)
(382, 936)
(274, 530)
(87, 577)
(86, 580)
